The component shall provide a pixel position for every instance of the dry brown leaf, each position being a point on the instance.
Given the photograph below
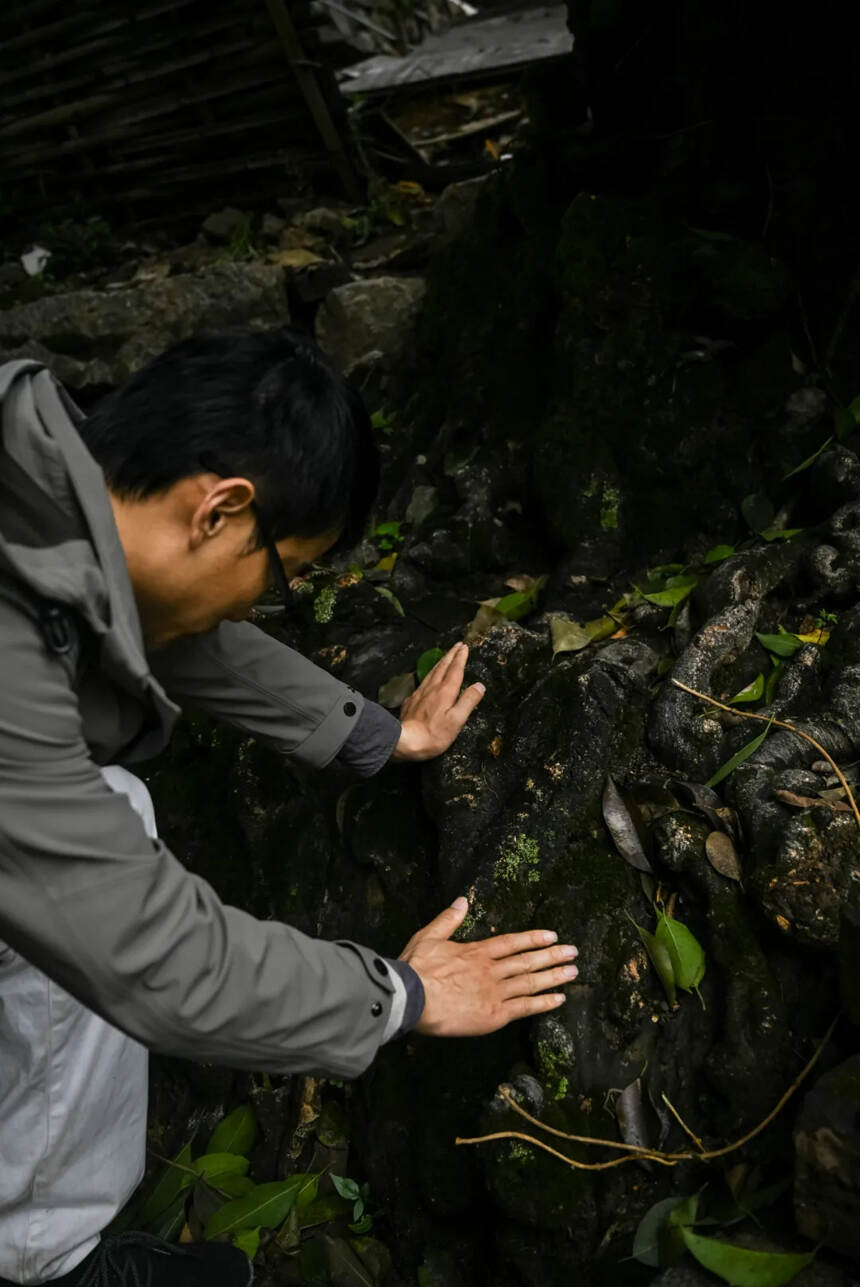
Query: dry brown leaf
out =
(812, 801)
(295, 258)
(722, 855)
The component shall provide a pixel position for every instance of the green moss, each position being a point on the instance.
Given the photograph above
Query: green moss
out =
(518, 862)
(609, 507)
(324, 605)
(560, 1089)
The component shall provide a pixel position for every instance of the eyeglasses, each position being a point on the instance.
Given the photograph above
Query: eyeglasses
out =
(279, 576)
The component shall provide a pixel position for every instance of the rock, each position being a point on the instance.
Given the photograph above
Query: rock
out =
(378, 313)
(326, 223)
(271, 226)
(827, 1170)
(454, 212)
(95, 337)
(225, 224)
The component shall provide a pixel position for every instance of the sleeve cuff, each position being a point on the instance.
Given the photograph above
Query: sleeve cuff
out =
(371, 743)
(408, 1004)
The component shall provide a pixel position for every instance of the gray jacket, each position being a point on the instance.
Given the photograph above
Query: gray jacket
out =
(84, 894)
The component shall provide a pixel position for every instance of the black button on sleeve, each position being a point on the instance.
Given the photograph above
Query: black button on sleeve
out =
(376, 1009)
(349, 708)
(380, 966)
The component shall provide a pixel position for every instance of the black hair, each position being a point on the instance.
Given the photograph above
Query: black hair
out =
(266, 405)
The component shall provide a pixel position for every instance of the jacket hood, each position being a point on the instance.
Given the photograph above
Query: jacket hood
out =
(57, 531)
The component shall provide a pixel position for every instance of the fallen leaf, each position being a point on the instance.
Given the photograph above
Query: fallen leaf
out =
(630, 1114)
(624, 821)
(394, 692)
(722, 855)
(297, 257)
(743, 754)
(819, 637)
(482, 623)
(812, 801)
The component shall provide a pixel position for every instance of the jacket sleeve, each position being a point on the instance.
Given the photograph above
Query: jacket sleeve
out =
(240, 674)
(118, 922)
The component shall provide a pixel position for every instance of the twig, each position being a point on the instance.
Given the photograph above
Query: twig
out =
(683, 1125)
(179, 1166)
(664, 1159)
(634, 1152)
(780, 723)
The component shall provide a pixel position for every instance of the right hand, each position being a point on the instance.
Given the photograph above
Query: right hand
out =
(471, 989)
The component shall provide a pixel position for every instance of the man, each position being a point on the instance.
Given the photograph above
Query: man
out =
(131, 547)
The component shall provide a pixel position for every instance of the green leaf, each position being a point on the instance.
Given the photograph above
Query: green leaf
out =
(516, 605)
(752, 693)
(391, 597)
(267, 1205)
(685, 952)
(170, 1223)
(678, 588)
(742, 1268)
(426, 662)
(346, 1188)
(772, 681)
(213, 1166)
(172, 1182)
(236, 1133)
(718, 553)
(659, 956)
(779, 533)
(307, 1193)
(783, 644)
(364, 1225)
(570, 636)
(235, 1186)
(390, 528)
(810, 460)
(743, 754)
(651, 1246)
(248, 1241)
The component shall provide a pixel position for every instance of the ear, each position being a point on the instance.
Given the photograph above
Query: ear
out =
(223, 500)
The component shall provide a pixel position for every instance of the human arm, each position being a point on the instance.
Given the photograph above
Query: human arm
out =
(116, 920)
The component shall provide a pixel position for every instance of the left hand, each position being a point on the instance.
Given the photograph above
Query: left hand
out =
(436, 712)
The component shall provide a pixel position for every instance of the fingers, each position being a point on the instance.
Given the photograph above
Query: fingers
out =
(466, 703)
(438, 675)
(529, 984)
(526, 1007)
(445, 924)
(529, 962)
(510, 944)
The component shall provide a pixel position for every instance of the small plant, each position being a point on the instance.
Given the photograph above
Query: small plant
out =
(387, 535)
(358, 1195)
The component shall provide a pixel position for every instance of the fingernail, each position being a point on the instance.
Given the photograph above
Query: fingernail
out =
(570, 971)
(559, 998)
(569, 951)
(460, 904)
(549, 936)
(481, 688)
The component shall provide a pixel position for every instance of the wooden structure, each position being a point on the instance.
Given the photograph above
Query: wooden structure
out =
(165, 108)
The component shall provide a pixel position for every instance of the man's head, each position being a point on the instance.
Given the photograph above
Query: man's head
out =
(225, 441)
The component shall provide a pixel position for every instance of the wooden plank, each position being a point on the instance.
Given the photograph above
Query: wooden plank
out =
(470, 50)
(314, 98)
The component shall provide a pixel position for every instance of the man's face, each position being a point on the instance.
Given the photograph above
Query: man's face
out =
(192, 557)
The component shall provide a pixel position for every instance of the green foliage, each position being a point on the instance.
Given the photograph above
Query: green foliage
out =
(383, 423)
(387, 535)
(846, 419)
(173, 1181)
(236, 1133)
(752, 693)
(426, 662)
(266, 1206)
(685, 953)
(739, 757)
(740, 1267)
(358, 1195)
(782, 644)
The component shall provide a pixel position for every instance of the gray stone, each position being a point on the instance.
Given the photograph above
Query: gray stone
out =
(378, 313)
(96, 337)
(272, 226)
(827, 1171)
(222, 225)
(454, 212)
